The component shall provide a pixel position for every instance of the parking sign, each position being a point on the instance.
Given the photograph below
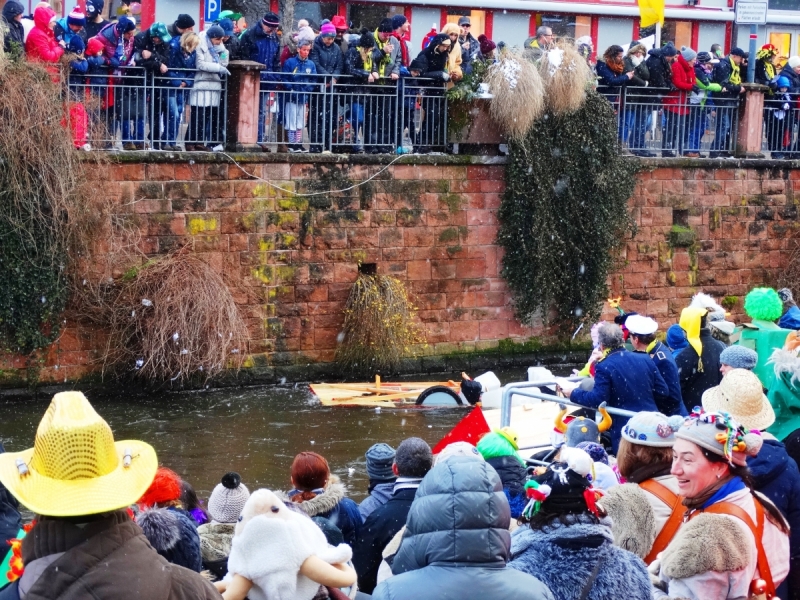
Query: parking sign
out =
(212, 10)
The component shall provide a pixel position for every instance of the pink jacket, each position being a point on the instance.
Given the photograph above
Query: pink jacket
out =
(41, 45)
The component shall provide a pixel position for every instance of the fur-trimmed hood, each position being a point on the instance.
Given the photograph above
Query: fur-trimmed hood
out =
(786, 361)
(323, 503)
(160, 527)
(563, 557)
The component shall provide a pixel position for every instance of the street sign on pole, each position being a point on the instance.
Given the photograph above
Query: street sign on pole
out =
(212, 10)
(751, 13)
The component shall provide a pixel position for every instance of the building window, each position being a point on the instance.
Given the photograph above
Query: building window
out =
(314, 12)
(370, 15)
(566, 26)
(677, 32)
(477, 19)
(784, 4)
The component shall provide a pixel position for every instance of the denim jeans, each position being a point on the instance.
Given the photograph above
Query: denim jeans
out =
(175, 104)
(723, 129)
(133, 134)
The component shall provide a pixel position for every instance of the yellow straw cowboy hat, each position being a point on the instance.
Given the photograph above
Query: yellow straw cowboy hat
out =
(75, 467)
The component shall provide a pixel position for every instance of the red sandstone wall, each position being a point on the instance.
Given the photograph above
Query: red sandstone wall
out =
(291, 261)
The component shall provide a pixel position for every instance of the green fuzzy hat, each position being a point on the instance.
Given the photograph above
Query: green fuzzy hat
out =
(763, 304)
(495, 445)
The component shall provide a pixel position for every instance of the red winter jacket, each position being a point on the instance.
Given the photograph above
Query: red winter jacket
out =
(41, 44)
(682, 78)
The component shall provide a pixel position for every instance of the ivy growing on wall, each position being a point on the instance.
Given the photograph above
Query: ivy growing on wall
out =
(564, 213)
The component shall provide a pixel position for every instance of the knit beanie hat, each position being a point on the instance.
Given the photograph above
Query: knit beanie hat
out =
(227, 26)
(94, 7)
(367, 40)
(76, 17)
(652, 429)
(93, 46)
(215, 32)
(398, 21)
(487, 45)
(228, 499)
(741, 395)
(739, 357)
(738, 52)
(385, 26)
(305, 34)
(380, 458)
(688, 54)
(76, 45)
(166, 487)
(669, 50)
(763, 304)
(327, 30)
(270, 20)
(794, 62)
(703, 57)
(676, 338)
(564, 487)
(597, 453)
(719, 433)
(124, 25)
(184, 21)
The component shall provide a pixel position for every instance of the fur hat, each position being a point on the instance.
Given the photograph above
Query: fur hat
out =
(380, 458)
(173, 535)
(785, 294)
(741, 395)
(652, 429)
(719, 433)
(166, 488)
(763, 304)
(76, 17)
(228, 499)
(739, 357)
(184, 21)
(794, 62)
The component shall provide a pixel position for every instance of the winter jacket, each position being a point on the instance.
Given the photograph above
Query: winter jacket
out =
(334, 506)
(114, 46)
(793, 77)
(790, 319)
(386, 63)
(704, 87)
(207, 87)
(262, 48)
(92, 28)
(627, 380)
(327, 59)
(764, 337)
(106, 559)
(378, 496)
(174, 536)
(714, 557)
(376, 532)
(299, 78)
(512, 474)
(61, 31)
(456, 543)
(694, 379)
(179, 61)
(637, 515)
(683, 83)
(159, 55)
(609, 83)
(660, 72)
(432, 64)
(234, 46)
(15, 34)
(563, 557)
(641, 74)
(784, 393)
(722, 73)
(41, 44)
(766, 74)
(215, 546)
(468, 54)
(666, 365)
(775, 474)
(356, 72)
(454, 61)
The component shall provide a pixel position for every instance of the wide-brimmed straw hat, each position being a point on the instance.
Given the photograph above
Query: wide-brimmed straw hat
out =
(741, 395)
(75, 468)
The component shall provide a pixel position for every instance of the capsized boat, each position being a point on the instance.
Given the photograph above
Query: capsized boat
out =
(406, 394)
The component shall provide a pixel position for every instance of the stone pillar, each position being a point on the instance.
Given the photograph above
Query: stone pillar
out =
(751, 122)
(243, 98)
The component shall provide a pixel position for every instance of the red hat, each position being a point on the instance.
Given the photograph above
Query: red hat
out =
(93, 46)
(166, 487)
(339, 23)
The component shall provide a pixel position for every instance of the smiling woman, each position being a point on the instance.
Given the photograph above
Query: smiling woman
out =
(735, 543)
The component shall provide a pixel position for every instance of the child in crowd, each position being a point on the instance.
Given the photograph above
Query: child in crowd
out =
(298, 75)
(78, 67)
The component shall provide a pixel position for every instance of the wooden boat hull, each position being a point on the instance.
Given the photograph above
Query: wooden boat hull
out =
(377, 394)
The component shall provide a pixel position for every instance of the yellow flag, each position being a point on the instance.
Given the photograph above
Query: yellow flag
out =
(651, 12)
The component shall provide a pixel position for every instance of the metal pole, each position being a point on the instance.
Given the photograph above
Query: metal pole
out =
(751, 61)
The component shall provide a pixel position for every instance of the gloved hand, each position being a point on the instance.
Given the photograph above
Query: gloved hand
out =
(446, 76)
(224, 71)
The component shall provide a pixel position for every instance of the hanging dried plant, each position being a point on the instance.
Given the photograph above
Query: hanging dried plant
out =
(566, 78)
(518, 94)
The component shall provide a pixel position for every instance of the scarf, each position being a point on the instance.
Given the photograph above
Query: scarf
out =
(403, 49)
(406, 483)
(616, 66)
(385, 58)
(646, 472)
(715, 492)
(736, 77)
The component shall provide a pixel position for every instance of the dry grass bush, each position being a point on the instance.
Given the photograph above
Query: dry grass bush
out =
(379, 326)
(566, 76)
(790, 276)
(518, 94)
(173, 318)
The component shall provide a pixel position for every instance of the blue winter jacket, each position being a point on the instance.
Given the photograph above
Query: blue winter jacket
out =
(300, 77)
(563, 557)
(378, 496)
(790, 319)
(262, 48)
(775, 474)
(179, 60)
(609, 83)
(665, 363)
(627, 380)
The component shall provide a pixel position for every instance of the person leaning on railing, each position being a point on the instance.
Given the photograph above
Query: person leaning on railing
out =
(299, 76)
(261, 44)
(329, 62)
(431, 64)
(676, 103)
(792, 72)
(358, 69)
(728, 74)
(701, 102)
(152, 53)
(636, 109)
(611, 74)
(182, 63)
(205, 124)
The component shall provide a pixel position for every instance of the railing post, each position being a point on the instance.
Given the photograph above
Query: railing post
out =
(244, 86)
(751, 122)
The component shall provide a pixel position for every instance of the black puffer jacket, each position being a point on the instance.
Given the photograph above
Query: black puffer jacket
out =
(328, 59)
(695, 381)
(16, 33)
(457, 542)
(660, 72)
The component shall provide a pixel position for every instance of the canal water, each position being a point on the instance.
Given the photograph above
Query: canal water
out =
(256, 431)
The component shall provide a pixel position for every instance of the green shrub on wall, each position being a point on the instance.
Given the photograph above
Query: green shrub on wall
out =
(564, 213)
